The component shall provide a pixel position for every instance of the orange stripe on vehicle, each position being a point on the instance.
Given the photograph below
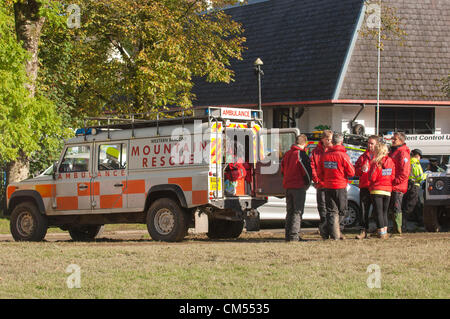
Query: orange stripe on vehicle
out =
(67, 203)
(11, 190)
(45, 190)
(219, 151)
(111, 201)
(213, 150)
(134, 186)
(184, 182)
(87, 191)
(199, 197)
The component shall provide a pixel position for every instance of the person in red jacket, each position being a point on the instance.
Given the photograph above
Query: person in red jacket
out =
(335, 170)
(296, 170)
(362, 169)
(400, 154)
(316, 158)
(235, 170)
(381, 175)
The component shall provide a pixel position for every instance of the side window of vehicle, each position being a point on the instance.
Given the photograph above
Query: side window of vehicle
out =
(285, 140)
(76, 159)
(112, 156)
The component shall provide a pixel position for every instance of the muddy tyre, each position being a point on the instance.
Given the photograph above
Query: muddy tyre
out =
(430, 218)
(167, 221)
(27, 223)
(86, 232)
(222, 229)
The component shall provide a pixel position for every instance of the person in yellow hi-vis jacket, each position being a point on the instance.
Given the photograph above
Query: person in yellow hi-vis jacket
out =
(416, 177)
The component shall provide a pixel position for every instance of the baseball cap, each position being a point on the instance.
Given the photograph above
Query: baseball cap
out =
(416, 151)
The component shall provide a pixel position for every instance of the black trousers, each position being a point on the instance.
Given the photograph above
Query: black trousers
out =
(322, 207)
(365, 201)
(336, 203)
(380, 208)
(295, 205)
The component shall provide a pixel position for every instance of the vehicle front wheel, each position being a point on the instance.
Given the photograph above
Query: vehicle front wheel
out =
(167, 221)
(435, 218)
(86, 232)
(27, 223)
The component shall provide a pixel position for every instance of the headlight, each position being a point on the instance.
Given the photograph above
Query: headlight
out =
(439, 185)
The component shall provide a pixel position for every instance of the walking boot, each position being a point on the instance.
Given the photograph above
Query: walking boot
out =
(397, 229)
(382, 234)
(362, 234)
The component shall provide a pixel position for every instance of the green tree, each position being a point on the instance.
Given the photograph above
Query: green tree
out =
(141, 55)
(392, 26)
(446, 86)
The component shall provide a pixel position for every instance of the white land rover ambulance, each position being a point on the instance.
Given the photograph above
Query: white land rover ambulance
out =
(168, 173)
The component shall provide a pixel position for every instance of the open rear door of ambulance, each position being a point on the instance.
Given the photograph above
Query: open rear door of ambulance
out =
(273, 144)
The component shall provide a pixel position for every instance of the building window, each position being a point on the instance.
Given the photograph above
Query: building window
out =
(281, 118)
(410, 120)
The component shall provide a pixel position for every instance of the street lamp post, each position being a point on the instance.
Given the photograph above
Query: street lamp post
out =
(378, 73)
(258, 63)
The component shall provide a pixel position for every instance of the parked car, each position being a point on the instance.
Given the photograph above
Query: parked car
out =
(275, 208)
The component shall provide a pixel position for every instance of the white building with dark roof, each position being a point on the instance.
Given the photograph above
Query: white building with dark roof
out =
(320, 70)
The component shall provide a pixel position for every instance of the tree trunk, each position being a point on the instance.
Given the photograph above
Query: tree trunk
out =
(28, 29)
(28, 23)
(18, 170)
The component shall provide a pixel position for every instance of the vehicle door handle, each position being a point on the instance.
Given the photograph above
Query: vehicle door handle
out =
(82, 186)
(118, 185)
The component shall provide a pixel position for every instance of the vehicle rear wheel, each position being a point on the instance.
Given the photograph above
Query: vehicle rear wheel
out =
(222, 229)
(27, 223)
(436, 218)
(167, 221)
(86, 232)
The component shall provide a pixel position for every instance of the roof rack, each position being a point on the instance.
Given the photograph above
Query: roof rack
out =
(353, 139)
(157, 118)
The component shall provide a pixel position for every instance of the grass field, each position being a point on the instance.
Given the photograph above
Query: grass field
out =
(4, 227)
(257, 265)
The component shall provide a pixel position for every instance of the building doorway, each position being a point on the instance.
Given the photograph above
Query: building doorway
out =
(281, 118)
